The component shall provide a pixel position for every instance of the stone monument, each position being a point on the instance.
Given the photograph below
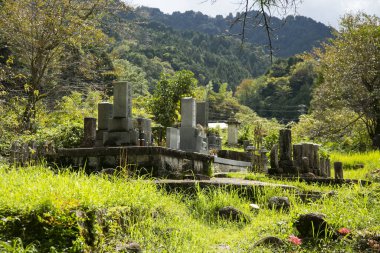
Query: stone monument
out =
(192, 138)
(233, 133)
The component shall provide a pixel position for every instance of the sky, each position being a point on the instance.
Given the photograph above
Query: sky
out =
(325, 11)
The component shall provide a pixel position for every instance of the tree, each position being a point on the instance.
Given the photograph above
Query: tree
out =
(37, 32)
(165, 102)
(350, 71)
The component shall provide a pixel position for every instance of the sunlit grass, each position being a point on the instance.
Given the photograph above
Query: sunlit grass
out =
(135, 210)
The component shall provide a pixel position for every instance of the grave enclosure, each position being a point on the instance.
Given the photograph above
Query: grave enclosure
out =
(116, 139)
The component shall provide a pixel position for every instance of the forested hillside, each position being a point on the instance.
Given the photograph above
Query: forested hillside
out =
(292, 35)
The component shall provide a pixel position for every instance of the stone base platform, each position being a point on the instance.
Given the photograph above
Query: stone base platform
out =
(156, 161)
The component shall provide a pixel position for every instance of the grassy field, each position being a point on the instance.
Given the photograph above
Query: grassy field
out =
(42, 210)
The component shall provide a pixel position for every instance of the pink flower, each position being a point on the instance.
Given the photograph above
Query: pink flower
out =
(344, 231)
(295, 240)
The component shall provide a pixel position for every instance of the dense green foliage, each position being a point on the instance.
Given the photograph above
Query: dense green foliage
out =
(284, 92)
(350, 72)
(165, 102)
(154, 48)
(292, 35)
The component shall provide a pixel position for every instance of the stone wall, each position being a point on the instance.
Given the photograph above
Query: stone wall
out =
(157, 161)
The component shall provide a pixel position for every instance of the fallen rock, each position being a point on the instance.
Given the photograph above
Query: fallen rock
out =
(269, 241)
(232, 213)
(313, 225)
(279, 203)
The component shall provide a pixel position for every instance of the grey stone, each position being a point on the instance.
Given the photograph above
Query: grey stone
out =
(263, 161)
(338, 169)
(297, 155)
(104, 114)
(274, 157)
(192, 141)
(122, 100)
(285, 145)
(305, 165)
(188, 112)
(306, 153)
(316, 159)
(279, 203)
(120, 124)
(202, 113)
(172, 138)
(327, 167)
(233, 133)
(121, 138)
(89, 134)
(231, 162)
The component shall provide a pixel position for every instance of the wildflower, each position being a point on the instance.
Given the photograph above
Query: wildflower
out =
(295, 240)
(344, 231)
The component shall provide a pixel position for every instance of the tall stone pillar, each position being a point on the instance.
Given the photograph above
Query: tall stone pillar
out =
(233, 131)
(89, 135)
(285, 145)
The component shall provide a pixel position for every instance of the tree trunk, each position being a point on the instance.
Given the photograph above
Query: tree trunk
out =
(29, 115)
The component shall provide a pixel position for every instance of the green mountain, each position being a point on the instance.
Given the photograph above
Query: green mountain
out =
(290, 36)
(154, 47)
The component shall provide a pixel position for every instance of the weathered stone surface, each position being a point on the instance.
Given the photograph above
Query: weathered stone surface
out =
(274, 157)
(104, 114)
(202, 113)
(313, 225)
(122, 100)
(89, 134)
(316, 160)
(285, 145)
(172, 138)
(297, 156)
(232, 213)
(279, 203)
(233, 134)
(305, 165)
(188, 112)
(338, 168)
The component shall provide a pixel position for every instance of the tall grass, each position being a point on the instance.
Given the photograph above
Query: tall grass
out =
(126, 210)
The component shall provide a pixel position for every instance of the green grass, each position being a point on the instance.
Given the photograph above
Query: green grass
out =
(46, 211)
(370, 161)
